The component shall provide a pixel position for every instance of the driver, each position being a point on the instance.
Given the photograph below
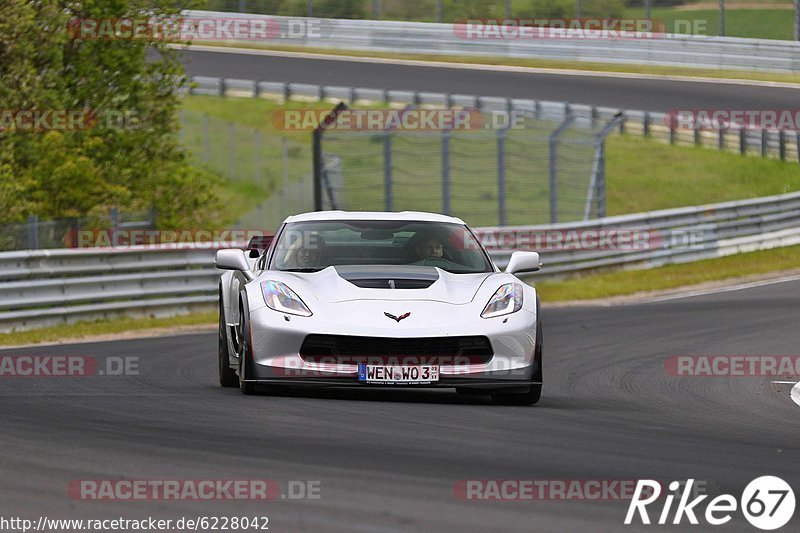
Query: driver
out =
(430, 246)
(305, 256)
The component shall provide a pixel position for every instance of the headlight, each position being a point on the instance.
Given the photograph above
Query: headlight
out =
(507, 300)
(279, 297)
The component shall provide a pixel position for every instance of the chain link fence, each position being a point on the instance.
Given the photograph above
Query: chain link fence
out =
(538, 172)
(273, 170)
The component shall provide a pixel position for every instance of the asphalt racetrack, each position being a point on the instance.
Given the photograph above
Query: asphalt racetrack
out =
(388, 460)
(624, 93)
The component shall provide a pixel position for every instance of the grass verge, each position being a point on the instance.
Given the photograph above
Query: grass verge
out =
(91, 329)
(619, 283)
(682, 72)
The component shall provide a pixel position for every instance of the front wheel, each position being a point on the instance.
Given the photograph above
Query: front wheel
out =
(245, 350)
(227, 376)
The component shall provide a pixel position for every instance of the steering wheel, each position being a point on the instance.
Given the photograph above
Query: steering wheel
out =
(440, 262)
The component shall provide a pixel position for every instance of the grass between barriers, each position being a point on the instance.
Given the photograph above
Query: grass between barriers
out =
(657, 70)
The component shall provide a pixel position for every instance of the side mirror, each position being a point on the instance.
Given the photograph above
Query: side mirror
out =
(233, 259)
(522, 262)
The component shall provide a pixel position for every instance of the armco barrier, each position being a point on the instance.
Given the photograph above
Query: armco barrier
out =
(445, 39)
(45, 287)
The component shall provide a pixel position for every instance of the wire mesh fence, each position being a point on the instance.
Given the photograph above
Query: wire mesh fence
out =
(273, 170)
(537, 172)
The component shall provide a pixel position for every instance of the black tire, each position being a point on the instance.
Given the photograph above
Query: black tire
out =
(245, 351)
(227, 375)
(535, 392)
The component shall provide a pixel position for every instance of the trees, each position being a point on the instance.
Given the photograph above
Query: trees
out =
(128, 154)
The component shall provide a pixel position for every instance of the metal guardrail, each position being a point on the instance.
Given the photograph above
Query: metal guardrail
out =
(784, 145)
(45, 287)
(447, 39)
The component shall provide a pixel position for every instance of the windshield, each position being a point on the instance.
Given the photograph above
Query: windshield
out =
(312, 246)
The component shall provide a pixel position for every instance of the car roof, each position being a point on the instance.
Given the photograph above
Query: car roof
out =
(411, 216)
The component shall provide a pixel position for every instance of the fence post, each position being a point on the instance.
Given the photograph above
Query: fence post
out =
(501, 175)
(601, 182)
(257, 141)
(554, 167)
(206, 138)
(673, 136)
(782, 142)
(33, 232)
(388, 197)
(232, 149)
(446, 171)
(316, 146)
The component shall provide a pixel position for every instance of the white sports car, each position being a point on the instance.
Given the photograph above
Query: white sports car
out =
(360, 299)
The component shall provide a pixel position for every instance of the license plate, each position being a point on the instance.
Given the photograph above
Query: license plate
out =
(398, 374)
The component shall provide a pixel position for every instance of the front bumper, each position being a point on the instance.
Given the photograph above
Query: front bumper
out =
(277, 339)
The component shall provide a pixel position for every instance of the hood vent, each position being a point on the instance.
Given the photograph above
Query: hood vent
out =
(382, 283)
(389, 277)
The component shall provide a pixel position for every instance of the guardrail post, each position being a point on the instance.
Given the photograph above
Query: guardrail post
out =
(698, 141)
(721, 138)
(448, 100)
(595, 114)
(537, 109)
(501, 175)
(287, 92)
(797, 144)
(321, 94)
(221, 87)
(554, 166)
(742, 140)
(256, 89)
(622, 120)
(782, 144)
(352, 95)
(764, 142)
(285, 175)
(646, 125)
(446, 172)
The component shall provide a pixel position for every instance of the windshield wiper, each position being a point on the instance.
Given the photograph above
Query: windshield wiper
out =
(301, 270)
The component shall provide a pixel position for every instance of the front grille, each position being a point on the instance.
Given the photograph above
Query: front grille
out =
(384, 283)
(435, 350)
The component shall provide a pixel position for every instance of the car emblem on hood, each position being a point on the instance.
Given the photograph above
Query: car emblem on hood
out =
(397, 318)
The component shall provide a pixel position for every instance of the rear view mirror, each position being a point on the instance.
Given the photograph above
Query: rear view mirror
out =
(522, 262)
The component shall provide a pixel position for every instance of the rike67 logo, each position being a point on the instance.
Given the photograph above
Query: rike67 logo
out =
(767, 503)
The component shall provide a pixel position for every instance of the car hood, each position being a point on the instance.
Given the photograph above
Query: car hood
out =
(349, 283)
